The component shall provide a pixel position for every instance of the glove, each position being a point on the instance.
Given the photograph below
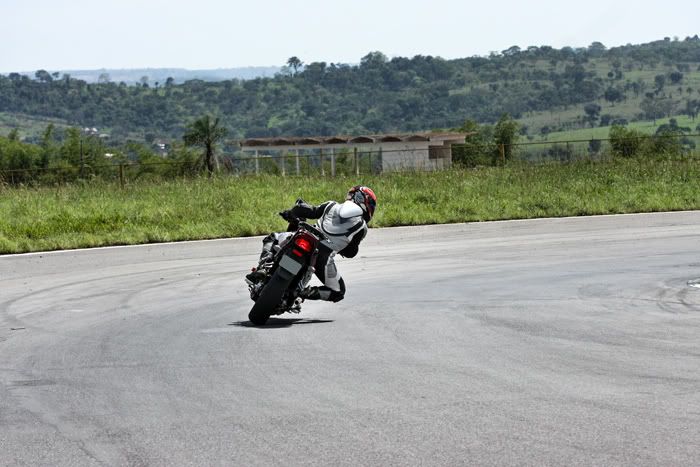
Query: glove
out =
(287, 215)
(293, 221)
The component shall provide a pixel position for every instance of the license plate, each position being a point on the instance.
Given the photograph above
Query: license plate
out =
(290, 265)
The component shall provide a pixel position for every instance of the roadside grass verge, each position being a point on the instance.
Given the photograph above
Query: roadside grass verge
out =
(99, 214)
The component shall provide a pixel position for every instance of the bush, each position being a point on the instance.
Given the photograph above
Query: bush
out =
(18, 161)
(478, 149)
(561, 153)
(505, 133)
(669, 141)
(626, 142)
(594, 146)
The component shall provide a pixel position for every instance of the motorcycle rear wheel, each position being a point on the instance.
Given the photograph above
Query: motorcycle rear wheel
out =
(269, 299)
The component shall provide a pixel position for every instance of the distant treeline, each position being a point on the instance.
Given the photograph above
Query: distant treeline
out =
(158, 76)
(379, 95)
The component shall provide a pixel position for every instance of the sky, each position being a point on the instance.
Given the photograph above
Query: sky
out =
(206, 34)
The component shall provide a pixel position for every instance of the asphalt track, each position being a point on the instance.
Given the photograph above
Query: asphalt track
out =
(545, 342)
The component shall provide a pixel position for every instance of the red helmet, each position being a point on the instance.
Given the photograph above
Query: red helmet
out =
(365, 198)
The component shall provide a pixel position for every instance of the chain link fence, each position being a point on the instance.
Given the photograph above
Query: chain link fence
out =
(313, 164)
(567, 151)
(354, 162)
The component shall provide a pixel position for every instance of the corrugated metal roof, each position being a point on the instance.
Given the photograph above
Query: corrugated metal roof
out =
(358, 139)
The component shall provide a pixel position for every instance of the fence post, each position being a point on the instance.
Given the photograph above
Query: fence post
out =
(296, 151)
(257, 163)
(357, 162)
(332, 162)
(323, 171)
(502, 150)
(371, 168)
(283, 159)
(121, 175)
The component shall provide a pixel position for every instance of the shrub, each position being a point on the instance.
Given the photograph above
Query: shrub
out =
(626, 142)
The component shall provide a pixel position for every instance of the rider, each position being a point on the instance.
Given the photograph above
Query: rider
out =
(344, 224)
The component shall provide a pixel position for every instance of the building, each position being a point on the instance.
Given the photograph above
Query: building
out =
(387, 153)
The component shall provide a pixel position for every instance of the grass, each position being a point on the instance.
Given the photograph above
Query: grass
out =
(647, 127)
(99, 214)
(27, 125)
(628, 109)
(33, 127)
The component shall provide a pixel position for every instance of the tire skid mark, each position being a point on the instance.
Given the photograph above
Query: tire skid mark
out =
(16, 320)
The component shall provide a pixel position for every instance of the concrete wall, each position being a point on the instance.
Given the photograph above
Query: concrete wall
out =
(419, 155)
(389, 156)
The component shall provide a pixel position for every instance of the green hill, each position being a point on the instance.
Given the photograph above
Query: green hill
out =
(548, 90)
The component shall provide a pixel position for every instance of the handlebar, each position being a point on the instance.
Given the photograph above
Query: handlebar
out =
(289, 217)
(296, 222)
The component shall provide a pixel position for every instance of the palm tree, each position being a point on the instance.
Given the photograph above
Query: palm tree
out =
(205, 133)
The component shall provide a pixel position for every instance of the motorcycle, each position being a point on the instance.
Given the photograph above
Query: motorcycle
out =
(288, 272)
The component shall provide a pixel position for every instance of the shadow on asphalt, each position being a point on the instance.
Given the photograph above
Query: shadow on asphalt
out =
(274, 323)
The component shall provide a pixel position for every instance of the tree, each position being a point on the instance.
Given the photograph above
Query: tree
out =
(294, 63)
(613, 95)
(478, 147)
(592, 112)
(511, 51)
(70, 149)
(668, 106)
(653, 107)
(596, 49)
(668, 139)
(315, 71)
(205, 133)
(505, 135)
(545, 131)
(373, 60)
(659, 81)
(692, 107)
(672, 125)
(676, 77)
(43, 76)
(47, 145)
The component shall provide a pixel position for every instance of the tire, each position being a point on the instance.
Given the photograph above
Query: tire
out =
(269, 299)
